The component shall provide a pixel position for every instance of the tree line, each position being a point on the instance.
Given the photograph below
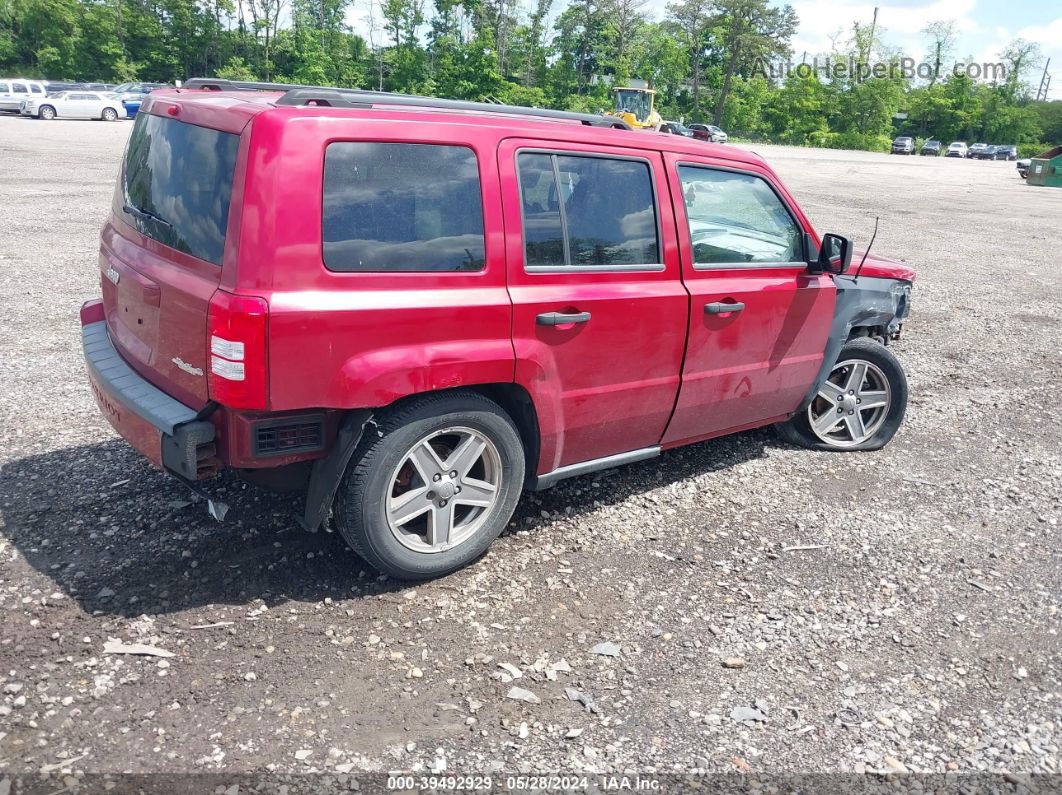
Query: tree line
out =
(709, 60)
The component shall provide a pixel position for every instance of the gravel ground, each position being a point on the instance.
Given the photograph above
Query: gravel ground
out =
(920, 632)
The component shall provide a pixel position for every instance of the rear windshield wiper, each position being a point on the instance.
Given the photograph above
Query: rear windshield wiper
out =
(146, 215)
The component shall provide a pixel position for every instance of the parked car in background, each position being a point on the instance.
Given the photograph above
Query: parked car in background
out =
(1023, 167)
(956, 149)
(612, 319)
(98, 86)
(709, 132)
(676, 128)
(976, 150)
(54, 87)
(75, 105)
(903, 145)
(986, 152)
(1005, 152)
(931, 148)
(132, 95)
(14, 89)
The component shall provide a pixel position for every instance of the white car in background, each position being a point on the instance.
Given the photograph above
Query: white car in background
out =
(957, 149)
(75, 105)
(14, 89)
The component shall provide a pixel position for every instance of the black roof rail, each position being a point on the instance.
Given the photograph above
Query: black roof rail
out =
(359, 98)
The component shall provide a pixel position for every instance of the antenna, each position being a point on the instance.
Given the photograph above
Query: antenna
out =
(1045, 84)
(873, 237)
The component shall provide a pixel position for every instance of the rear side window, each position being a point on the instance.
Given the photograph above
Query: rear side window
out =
(177, 184)
(18, 88)
(390, 207)
(586, 210)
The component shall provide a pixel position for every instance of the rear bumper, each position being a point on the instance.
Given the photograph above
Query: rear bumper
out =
(170, 434)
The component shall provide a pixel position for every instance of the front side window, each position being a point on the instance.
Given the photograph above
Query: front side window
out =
(737, 219)
(587, 211)
(392, 207)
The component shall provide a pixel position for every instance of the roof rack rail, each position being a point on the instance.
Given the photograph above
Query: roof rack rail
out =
(328, 96)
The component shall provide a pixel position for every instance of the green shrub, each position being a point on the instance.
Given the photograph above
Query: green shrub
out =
(851, 140)
(1032, 150)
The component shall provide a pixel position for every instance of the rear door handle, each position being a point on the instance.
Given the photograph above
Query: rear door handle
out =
(560, 319)
(720, 308)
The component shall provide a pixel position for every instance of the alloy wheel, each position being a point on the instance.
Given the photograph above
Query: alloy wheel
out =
(851, 405)
(444, 489)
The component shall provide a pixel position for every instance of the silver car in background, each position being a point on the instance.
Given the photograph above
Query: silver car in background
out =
(14, 89)
(75, 105)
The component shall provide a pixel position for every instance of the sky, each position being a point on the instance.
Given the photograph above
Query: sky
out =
(984, 26)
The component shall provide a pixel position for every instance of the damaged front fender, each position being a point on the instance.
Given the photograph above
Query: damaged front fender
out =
(867, 304)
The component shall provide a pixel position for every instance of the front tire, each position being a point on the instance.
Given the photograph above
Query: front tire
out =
(46, 112)
(859, 407)
(434, 484)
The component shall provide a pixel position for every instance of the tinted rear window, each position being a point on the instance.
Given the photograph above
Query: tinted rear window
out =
(180, 177)
(602, 212)
(402, 207)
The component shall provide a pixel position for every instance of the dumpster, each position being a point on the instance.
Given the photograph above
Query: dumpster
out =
(1046, 168)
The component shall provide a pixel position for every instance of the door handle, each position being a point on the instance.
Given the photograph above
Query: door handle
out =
(720, 308)
(560, 319)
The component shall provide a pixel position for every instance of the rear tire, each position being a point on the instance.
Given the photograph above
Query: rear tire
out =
(46, 112)
(860, 407)
(434, 484)
(110, 114)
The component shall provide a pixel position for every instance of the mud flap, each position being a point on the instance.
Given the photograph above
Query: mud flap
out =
(327, 472)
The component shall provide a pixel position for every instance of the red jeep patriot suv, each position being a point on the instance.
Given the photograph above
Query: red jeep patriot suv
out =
(412, 309)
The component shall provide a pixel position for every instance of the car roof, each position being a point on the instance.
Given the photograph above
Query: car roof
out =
(231, 110)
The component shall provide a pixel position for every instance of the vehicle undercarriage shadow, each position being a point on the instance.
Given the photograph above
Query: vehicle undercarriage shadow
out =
(120, 538)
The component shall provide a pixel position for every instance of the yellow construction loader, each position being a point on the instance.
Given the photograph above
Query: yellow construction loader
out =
(635, 106)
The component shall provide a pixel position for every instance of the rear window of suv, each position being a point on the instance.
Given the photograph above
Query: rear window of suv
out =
(402, 207)
(177, 184)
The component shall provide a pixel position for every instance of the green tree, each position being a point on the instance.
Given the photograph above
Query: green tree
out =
(752, 31)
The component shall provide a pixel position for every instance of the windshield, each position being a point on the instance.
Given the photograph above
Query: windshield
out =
(177, 183)
(636, 102)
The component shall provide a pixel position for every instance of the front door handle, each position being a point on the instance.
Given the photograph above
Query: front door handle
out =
(560, 319)
(720, 308)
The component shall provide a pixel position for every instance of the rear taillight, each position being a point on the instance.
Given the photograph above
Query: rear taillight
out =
(236, 328)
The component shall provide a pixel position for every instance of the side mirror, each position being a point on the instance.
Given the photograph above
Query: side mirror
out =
(835, 254)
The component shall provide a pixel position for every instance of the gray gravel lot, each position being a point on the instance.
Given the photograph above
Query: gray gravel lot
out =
(921, 632)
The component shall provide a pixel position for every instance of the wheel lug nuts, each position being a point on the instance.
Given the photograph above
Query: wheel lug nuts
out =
(442, 503)
(453, 474)
(840, 409)
(859, 400)
(431, 495)
(851, 412)
(436, 477)
(457, 489)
